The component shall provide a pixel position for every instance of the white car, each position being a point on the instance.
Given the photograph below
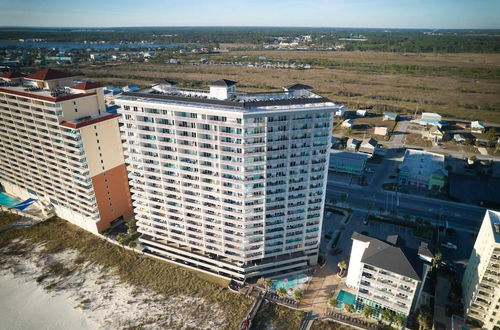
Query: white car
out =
(449, 245)
(369, 170)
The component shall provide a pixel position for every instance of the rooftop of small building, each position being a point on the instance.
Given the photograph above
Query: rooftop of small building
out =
(349, 154)
(89, 120)
(273, 100)
(423, 162)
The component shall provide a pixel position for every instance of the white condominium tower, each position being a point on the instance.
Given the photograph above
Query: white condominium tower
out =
(481, 282)
(225, 182)
(58, 145)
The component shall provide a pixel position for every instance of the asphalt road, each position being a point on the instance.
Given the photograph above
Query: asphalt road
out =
(459, 216)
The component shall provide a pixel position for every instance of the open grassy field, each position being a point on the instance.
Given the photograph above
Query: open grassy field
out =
(161, 277)
(465, 86)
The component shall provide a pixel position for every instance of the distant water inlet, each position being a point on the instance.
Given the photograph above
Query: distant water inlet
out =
(291, 284)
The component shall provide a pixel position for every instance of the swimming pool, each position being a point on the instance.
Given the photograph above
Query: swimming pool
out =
(6, 200)
(345, 298)
(291, 283)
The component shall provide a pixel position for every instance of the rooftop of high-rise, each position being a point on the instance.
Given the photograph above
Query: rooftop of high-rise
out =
(222, 93)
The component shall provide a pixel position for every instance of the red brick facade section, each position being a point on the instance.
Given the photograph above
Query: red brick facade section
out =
(117, 186)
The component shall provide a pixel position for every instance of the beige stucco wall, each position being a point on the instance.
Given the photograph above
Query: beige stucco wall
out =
(85, 106)
(108, 150)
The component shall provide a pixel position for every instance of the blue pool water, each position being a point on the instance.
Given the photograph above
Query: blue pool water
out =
(291, 283)
(345, 298)
(7, 200)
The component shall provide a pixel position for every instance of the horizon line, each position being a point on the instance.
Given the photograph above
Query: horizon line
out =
(245, 26)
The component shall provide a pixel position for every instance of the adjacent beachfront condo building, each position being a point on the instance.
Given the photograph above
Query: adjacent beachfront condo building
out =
(481, 282)
(386, 274)
(59, 146)
(226, 182)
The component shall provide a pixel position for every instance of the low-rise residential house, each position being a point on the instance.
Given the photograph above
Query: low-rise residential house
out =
(423, 169)
(347, 162)
(390, 116)
(130, 88)
(340, 112)
(380, 131)
(431, 119)
(368, 146)
(347, 123)
(387, 274)
(459, 138)
(477, 127)
(434, 134)
(352, 144)
(361, 113)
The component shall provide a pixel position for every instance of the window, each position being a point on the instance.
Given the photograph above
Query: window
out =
(96, 134)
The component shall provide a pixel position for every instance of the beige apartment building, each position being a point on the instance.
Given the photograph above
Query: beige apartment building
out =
(58, 145)
(481, 282)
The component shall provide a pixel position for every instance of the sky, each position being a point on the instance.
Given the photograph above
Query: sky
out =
(434, 14)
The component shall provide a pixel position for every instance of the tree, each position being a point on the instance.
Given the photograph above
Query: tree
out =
(121, 238)
(388, 316)
(132, 244)
(268, 283)
(399, 320)
(349, 308)
(333, 302)
(297, 294)
(342, 267)
(436, 261)
(422, 320)
(281, 291)
(367, 311)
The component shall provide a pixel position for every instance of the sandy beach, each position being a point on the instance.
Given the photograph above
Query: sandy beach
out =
(62, 291)
(25, 306)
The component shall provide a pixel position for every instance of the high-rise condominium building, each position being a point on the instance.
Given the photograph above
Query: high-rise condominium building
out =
(226, 182)
(59, 145)
(481, 282)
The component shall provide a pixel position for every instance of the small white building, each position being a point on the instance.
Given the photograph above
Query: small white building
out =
(380, 131)
(341, 111)
(361, 113)
(347, 123)
(477, 127)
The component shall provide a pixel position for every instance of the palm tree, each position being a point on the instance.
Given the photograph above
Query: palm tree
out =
(422, 320)
(367, 311)
(349, 308)
(333, 302)
(342, 267)
(132, 244)
(399, 320)
(297, 294)
(436, 261)
(388, 316)
(268, 284)
(281, 291)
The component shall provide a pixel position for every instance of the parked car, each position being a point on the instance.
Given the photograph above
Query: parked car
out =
(450, 246)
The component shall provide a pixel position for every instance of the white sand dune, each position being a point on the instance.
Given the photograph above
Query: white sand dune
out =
(89, 297)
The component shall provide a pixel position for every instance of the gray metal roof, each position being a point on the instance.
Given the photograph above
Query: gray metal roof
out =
(297, 87)
(396, 259)
(223, 83)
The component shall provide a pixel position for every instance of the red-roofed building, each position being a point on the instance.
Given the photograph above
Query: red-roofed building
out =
(86, 85)
(49, 78)
(12, 77)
